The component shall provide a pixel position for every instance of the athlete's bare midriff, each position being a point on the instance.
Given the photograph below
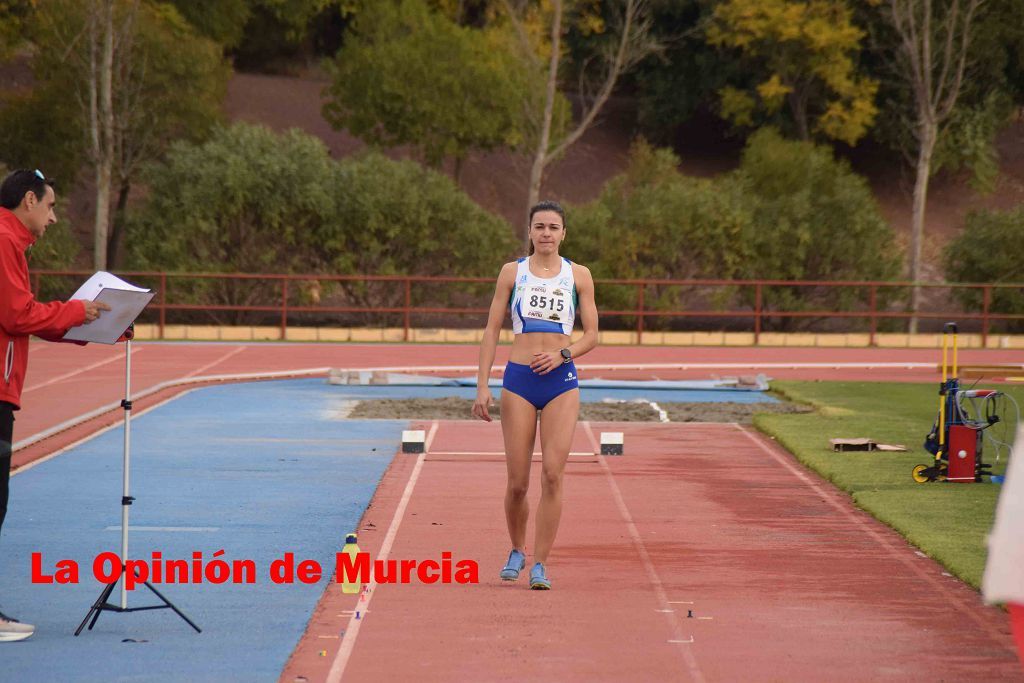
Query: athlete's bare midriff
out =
(525, 345)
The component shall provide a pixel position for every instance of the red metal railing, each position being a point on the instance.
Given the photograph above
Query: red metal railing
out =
(757, 312)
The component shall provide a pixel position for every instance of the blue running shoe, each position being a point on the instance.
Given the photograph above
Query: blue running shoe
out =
(515, 564)
(538, 579)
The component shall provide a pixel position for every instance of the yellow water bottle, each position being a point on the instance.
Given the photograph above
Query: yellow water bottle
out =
(352, 550)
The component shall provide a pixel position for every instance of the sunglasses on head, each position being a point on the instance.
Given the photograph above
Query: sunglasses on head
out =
(39, 174)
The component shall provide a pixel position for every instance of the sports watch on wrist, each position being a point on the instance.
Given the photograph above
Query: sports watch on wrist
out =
(566, 355)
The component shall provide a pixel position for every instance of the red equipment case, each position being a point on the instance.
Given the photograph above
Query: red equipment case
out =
(963, 453)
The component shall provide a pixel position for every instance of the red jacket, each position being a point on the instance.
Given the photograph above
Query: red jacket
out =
(20, 313)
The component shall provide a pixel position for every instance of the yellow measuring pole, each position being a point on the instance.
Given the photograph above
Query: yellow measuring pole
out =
(954, 353)
(942, 395)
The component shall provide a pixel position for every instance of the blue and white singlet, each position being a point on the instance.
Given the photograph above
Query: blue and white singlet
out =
(543, 304)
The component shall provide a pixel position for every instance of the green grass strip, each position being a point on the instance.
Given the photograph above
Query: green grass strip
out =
(949, 522)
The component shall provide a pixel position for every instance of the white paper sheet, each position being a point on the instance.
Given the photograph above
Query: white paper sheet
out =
(126, 302)
(100, 280)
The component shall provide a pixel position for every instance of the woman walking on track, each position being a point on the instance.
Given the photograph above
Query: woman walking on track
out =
(542, 292)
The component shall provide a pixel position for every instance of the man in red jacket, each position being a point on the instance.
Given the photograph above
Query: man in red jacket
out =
(26, 210)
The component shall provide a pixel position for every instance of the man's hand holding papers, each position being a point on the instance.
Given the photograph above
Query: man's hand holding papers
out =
(106, 292)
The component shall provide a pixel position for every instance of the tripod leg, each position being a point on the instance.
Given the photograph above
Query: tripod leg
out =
(172, 606)
(96, 608)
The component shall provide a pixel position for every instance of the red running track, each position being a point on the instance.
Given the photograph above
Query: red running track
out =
(784, 578)
(704, 554)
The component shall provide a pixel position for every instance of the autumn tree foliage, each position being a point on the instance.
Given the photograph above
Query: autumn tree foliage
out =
(804, 55)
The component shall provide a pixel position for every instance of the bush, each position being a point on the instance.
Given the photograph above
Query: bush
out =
(652, 222)
(57, 250)
(399, 218)
(252, 201)
(790, 212)
(813, 219)
(247, 200)
(988, 250)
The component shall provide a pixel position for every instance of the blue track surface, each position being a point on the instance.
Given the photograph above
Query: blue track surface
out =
(262, 464)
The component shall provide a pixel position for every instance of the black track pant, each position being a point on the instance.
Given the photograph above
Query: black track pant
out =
(6, 438)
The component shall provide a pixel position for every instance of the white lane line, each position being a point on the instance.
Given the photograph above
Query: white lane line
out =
(501, 453)
(87, 368)
(233, 352)
(645, 558)
(352, 630)
(117, 527)
(257, 439)
(938, 587)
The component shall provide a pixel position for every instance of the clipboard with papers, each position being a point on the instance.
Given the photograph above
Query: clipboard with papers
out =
(126, 302)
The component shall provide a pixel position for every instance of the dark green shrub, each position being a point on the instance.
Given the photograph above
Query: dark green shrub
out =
(989, 249)
(813, 219)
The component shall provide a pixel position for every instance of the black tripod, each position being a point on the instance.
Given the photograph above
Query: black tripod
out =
(102, 602)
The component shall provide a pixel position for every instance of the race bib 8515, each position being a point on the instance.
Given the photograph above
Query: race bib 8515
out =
(547, 302)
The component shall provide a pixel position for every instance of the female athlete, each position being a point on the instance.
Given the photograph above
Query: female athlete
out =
(543, 292)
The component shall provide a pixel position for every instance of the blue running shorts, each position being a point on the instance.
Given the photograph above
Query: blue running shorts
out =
(539, 390)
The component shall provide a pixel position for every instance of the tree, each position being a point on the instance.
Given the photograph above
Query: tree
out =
(131, 76)
(99, 21)
(410, 76)
(807, 52)
(684, 77)
(466, 12)
(42, 128)
(12, 16)
(279, 35)
(931, 56)
(222, 21)
(631, 43)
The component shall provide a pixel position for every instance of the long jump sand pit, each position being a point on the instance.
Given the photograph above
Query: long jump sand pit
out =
(454, 408)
